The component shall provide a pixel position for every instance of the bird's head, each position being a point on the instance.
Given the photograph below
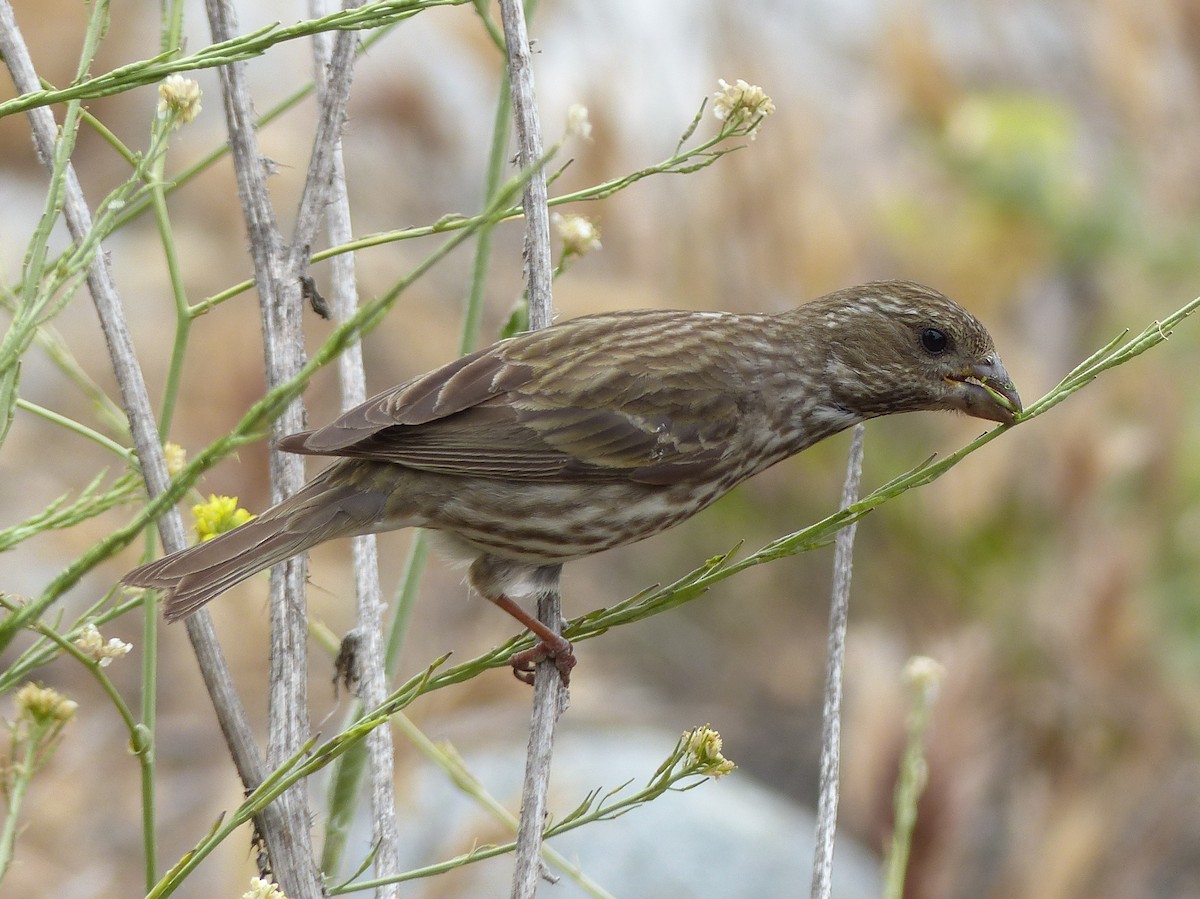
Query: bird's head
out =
(896, 346)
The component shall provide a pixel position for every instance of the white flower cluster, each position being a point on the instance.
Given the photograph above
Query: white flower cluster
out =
(179, 96)
(579, 235)
(91, 643)
(261, 888)
(742, 103)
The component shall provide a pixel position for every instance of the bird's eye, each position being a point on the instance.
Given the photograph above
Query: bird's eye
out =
(934, 341)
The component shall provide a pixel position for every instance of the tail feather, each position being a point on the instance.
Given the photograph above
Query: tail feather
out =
(334, 504)
(198, 574)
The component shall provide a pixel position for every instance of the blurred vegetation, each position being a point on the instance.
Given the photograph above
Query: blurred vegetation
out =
(1039, 162)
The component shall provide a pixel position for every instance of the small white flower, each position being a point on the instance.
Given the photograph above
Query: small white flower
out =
(703, 747)
(924, 675)
(741, 103)
(261, 888)
(578, 124)
(578, 234)
(179, 96)
(91, 643)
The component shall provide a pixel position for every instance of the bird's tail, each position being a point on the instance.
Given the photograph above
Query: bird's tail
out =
(331, 505)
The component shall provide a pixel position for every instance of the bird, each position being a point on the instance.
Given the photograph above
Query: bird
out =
(600, 431)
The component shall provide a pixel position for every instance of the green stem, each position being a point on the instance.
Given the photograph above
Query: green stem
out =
(56, 348)
(406, 599)
(497, 158)
(148, 756)
(135, 206)
(215, 155)
(183, 321)
(107, 134)
(141, 740)
(39, 285)
(909, 786)
(170, 39)
(65, 644)
(312, 758)
(452, 765)
(685, 161)
(44, 651)
(76, 427)
(243, 47)
(18, 783)
(171, 35)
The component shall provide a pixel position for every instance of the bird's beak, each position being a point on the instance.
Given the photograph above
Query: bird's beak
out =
(986, 391)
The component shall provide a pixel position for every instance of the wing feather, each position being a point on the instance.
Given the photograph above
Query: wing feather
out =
(550, 405)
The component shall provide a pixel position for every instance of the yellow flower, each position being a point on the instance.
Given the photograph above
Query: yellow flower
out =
(218, 515)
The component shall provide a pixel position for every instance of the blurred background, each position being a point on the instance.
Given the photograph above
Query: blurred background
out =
(1038, 161)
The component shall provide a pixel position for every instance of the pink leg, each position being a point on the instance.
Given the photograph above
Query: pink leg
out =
(549, 646)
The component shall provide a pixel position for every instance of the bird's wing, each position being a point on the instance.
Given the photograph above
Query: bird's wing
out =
(562, 403)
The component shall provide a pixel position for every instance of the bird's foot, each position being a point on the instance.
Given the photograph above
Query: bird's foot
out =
(557, 650)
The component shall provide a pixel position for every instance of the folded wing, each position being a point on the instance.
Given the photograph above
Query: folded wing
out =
(557, 404)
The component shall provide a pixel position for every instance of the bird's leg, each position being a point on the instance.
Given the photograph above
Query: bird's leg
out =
(549, 646)
(494, 578)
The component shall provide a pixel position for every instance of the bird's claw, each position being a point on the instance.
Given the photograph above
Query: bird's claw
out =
(558, 651)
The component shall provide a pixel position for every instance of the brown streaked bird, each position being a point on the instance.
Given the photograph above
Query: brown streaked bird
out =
(600, 431)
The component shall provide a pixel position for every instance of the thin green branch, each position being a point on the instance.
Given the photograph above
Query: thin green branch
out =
(19, 770)
(52, 343)
(41, 284)
(178, 180)
(924, 677)
(41, 715)
(45, 290)
(67, 645)
(107, 134)
(687, 767)
(243, 47)
(60, 514)
(698, 157)
(445, 757)
(42, 652)
(82, 430)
